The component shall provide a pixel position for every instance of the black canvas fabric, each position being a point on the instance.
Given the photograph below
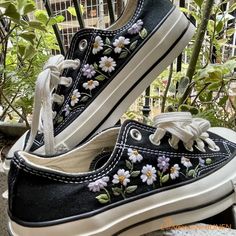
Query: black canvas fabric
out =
(46, 197)
(153, 13)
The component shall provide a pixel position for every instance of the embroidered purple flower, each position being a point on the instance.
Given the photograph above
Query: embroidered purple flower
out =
(136, 27)
(75, 97)
(67, 110)
(97, 45)
(163, 163)
(88, 71)
(201, 162)
(120, 43)
(134, 155)
(91, 84)
(148, 174)
(174, 171)
(107, 64)
(98, 184)
(121, 177)
(186, 162)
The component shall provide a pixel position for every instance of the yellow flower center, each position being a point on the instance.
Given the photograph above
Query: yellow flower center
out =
(96, 45)
(135, 152)
(108, 64)
(90, 82)
(172, 170)
(73, 97)
(149, 174)
(121, 179)
(120, 45)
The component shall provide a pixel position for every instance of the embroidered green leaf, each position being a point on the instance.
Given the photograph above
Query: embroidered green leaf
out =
(59, 119)
(100, 78)
(143, 33)
(159, 173)
(135, 174)
(124, 54)
(133, 45)
(128, 164)
(117, 191)
(131, 189)
(208, 161)
(103, 198)
(107, 51)
(95, 65)
(84, 99)
(165, 178)
(108, 41)
(191, 173)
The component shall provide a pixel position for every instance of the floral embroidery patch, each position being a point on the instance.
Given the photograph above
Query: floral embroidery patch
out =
(109, 52)
(122, 183)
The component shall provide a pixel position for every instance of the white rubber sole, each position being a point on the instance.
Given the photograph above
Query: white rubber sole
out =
(186, 204)
(157, 46)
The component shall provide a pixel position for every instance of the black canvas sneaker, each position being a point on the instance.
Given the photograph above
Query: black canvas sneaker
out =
(104, 72)
(126, 181)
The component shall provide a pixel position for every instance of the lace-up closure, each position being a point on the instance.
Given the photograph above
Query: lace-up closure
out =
(183, 127)
(46, 83)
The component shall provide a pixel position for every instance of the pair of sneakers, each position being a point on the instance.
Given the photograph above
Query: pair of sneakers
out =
(78, 174)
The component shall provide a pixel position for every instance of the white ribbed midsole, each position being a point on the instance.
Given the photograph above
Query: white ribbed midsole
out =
(202, 192)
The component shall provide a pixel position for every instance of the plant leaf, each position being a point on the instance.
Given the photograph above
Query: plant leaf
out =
(128, 164)
(165, 178)
(11, 11)
(143, 33)
(199, 2)
(108, 41)
(72, 11)
(28, 36)
(133, 45)
(100, 78)
(108, 51)
(135, 174)
(37, 25)
(124, 54)
(95, 65)
(131, 189)
(191, 173)
(103, 198)
(117, 191)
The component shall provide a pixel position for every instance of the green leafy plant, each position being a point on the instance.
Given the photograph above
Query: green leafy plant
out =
(25, 47)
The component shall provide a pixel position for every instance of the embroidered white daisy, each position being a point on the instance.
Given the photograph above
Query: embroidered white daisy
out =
(121, 177)
(88, 71)
(186, 162)
(174, 171)
(120, 43)
(134, 155)
(98, 184)
(91, 84)
(107, 64)
(148, 174)
(75, 97)
(136, 27)
(97, 45)
(67, 110)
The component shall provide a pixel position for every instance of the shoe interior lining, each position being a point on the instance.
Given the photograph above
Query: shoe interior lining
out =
(79, 159)
(126, 15)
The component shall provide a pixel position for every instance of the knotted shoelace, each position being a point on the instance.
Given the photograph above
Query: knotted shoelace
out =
(183, 127)
(46, 83)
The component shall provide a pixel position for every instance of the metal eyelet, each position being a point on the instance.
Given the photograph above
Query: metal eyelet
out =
(135, 134)
(201, 150)
(216, 149)
(152, 141)
(83, 45)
